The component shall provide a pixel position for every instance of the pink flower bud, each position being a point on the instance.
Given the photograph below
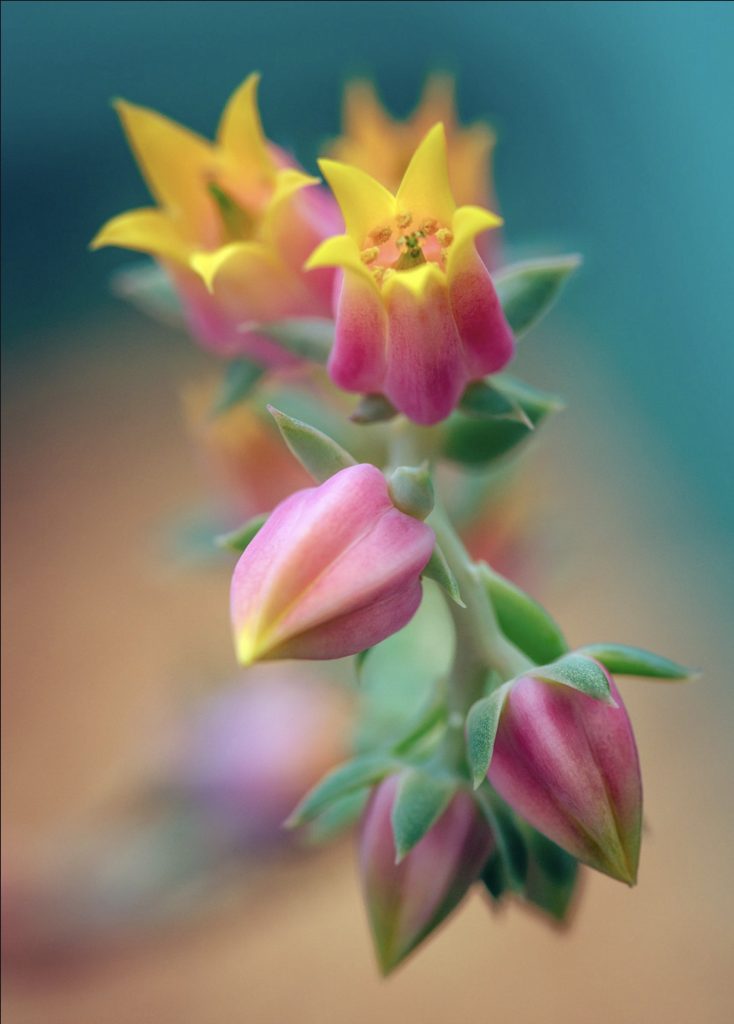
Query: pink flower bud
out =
(568, 764)
(406, 901)
(334, 570)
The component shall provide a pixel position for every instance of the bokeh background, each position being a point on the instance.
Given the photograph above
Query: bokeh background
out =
(616, 140)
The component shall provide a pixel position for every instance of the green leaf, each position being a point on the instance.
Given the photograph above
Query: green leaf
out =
(420, 801)
(523, 620)
(552, 874)
(373, 409)
(439, 570)
(238, 539)
(309, 338)
(240, 378)
(580, 673)
(633, 661)
(316, 452)
(474, 440)
(147, 287)
(527, 290)
(347, 778)
(482, 723)
(337, 818)
(507, 868)
(482, 399)
(359, 660)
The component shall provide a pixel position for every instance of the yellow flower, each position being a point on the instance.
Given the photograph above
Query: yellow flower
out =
(233, 223)
(383, 146)
(418, 316)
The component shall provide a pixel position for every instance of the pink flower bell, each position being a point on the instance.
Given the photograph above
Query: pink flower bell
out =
(418, 317)
(406, 901)
(568, 764)
(334, 570)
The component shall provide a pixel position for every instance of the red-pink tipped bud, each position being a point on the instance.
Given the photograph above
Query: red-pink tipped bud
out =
(406, 901)
(334, 570)
(568, 764)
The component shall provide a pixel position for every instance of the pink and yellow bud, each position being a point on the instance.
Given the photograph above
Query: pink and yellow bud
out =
(568, 764)
(406, 901)
(334, 570)
(234, 221)
(420, 318)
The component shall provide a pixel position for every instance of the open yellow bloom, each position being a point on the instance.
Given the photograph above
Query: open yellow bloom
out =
(234, 221)
(418, 316)
(382, 146)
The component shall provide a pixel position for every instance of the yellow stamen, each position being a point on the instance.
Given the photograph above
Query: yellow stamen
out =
(381, 235)
(445, 237)
(430, 226)
(403, 219)
(369, 255)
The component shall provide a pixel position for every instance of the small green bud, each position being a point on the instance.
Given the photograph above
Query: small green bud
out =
(411, 490)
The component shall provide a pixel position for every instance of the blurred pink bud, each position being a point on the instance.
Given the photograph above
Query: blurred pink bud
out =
(251, 752)
(568, 764)
(334, 570)
(407, 901)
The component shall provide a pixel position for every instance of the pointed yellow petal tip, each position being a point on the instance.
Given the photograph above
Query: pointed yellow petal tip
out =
(364, 202)
(246, 648)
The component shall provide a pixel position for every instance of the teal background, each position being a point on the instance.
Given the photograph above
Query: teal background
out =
(616, 140)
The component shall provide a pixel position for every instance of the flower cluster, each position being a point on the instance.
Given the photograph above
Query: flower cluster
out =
(522, 764)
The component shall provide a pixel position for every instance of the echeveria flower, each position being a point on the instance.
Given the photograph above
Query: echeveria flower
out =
(418, 316)
(334, 570)
(568, 764)
(234, 222)
(382, 146)
(406, 901)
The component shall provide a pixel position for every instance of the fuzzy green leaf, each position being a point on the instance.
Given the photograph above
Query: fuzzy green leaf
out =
(527, 290)
(484, 400)
(622, 660)
(420, 801)
(507, 868)
(239, 380)
(482, 723)
(580, 673)
(552, 874)
(439, 570)
(337, 818)
(475, 440)
(238, 539)
(347, 778)
(523, 620)
(318, 454)
(309, 338)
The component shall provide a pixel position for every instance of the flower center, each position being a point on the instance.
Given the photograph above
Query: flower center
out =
(405, 244)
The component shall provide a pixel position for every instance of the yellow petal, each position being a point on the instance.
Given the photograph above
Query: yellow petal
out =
(175, 162)
(208, 264)
(364, 202)
(437, 102)
(288, 182)
(416, 281)
(146, 230)
(339, 251)
(425, 190)
(240, 130)
(467, 223)
(362, 113)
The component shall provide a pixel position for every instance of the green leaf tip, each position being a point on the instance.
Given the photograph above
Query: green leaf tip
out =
(482, 723)
(237, 540)
(319, 454)
(623, 660)
(360, 773)
(527, 290)
(240, 379)
(580, 672)
(420, 801)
